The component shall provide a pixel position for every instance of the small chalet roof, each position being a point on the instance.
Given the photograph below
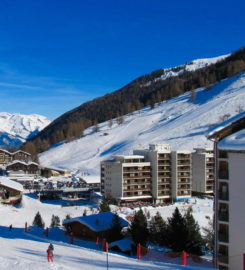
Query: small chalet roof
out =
(4, 181)
(20, 151)
(235, 141)
(21, 162)
(97, 222)
(5, 151)
(124, 244)
(91, 179)
(229, 126)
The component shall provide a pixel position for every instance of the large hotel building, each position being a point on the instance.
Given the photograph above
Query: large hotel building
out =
(155, 174)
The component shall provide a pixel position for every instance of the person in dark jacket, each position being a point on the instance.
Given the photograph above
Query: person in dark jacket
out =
(50, 254)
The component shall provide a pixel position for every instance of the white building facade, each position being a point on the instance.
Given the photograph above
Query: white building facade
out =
(203, 166)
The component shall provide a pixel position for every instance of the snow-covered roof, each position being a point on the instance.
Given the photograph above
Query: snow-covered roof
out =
(20, 151)
(91, 179)
(124, 244)
(4, 181)
(217, 129)
(97, 222)
(22, 162)
(235, 141)
(10, 153)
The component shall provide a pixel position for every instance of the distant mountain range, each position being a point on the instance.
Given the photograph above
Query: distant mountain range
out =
(17, 128)
(147, 90)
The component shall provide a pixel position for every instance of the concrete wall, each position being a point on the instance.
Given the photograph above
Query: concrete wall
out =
(236, 210)
(199, 172)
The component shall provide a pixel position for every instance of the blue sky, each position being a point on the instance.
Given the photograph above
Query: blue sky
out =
(57, 54)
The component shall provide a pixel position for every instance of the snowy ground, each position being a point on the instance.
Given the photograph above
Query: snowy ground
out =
(179, 122)
(25, 251)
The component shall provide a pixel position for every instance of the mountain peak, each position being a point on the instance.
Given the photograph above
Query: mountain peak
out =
(16, 128)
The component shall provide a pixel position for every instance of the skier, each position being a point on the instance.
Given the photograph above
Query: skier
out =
(10, 227)
(49, 254)
(51, 246)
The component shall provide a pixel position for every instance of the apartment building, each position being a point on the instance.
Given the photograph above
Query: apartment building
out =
(203, 171)
(171, 172)
(229, 195)
(157, 173)
(159, 155)
(127, 178)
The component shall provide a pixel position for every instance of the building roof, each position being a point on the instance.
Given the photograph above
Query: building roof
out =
(20, 151)
(97, 222)
(91, 179)
(21, 162)
(124, 244)
(3, 150)
(235, 141)
(228, 127)
(4, 181)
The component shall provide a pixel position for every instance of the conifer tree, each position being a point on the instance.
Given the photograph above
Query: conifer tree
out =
(38, 221)
(138, 229)
(55, 221)
(177, 232)
(104, 206)
(114, 233)
(194, 239)
(158, 230)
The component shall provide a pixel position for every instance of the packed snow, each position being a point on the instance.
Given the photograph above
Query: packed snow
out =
(27, 250)
(180, 122)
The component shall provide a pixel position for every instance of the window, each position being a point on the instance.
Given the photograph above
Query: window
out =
(223, 170)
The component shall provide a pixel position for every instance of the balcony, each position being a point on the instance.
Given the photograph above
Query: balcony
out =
(223, 216)
(223, 237)
(224, 196)
(223, 170)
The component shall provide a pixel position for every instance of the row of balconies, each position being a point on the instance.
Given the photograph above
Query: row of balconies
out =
(136, 193)
(136, 181)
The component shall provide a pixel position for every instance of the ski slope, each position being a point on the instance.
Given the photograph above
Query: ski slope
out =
(181, 122)
(27, 251)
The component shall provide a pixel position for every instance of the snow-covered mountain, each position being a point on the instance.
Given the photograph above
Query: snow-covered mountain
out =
(191, 66)
(181, 122)
(16, 128)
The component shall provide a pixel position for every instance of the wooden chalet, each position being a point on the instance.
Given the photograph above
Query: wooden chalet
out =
(5, 156)
(10, 191)
(31, 168)
(92, 226)
(22, 156)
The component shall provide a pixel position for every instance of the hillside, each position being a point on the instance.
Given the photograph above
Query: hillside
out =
(181, 122)
(147, 90)
(17, 128)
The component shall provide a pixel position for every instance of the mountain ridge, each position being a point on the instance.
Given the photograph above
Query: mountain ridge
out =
(180, 122)
(135, 96)
(16, 128)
